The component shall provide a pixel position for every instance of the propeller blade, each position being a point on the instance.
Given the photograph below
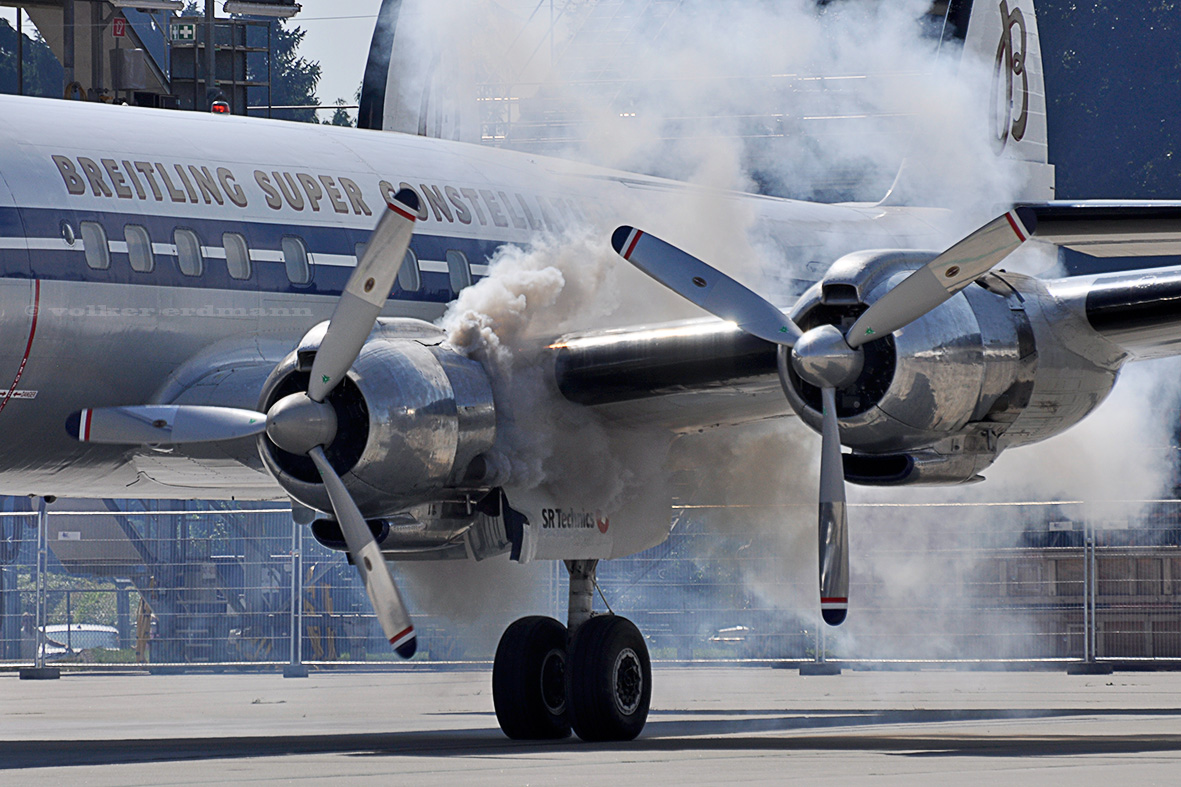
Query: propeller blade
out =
(163, 423)
(834, 522)
(943, 277)
(367, 290)
(370, 563)
(704, 285)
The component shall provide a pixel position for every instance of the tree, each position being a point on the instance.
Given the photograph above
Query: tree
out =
(43, 72)
(340, 116)
(293, 78)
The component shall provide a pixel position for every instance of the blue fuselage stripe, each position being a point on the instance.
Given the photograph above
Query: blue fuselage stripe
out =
(267, 276)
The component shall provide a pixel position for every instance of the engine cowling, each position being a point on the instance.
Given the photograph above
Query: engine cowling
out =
(937, 401)
(414, 418)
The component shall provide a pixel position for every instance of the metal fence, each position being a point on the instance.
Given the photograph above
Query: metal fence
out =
(170, 583)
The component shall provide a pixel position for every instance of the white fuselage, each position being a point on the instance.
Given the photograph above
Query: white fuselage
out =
(117, 325)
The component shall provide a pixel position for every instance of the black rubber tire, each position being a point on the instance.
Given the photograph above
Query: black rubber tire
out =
(608, 680)
(528, 680)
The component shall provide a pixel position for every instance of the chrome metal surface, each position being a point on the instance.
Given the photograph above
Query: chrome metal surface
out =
(298, 424)
(1007, 361)
(418, 417)
(1076, 367)
(445, 529)
(936, 385)
(946, 395)
(1138, 311)
(823, 359)
(433, 531)
(675, 375)
(959, 465)
(853, 276)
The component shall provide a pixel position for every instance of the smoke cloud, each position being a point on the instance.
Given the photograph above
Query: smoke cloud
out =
(925, 562)
(788, 99)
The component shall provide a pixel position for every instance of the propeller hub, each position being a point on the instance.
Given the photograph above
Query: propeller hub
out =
(823, 358)
(297, 423)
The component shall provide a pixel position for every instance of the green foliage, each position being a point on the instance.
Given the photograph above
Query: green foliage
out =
(91, 600)
(340, 117)
(43, 73)
(293, 78)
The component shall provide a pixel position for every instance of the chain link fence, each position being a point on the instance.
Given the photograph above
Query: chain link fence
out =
(171, 584)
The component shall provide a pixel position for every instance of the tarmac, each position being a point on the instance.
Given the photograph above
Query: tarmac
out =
(748, 725)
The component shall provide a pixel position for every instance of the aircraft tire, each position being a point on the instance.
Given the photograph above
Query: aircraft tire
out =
(528, 680)
(608, 680)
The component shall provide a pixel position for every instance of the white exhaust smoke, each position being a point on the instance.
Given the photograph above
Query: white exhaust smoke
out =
(700, 90)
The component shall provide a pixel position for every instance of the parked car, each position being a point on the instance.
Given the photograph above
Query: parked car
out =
(62, 640)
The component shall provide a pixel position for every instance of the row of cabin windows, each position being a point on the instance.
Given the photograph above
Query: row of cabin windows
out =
(189, 257)
(191, 261)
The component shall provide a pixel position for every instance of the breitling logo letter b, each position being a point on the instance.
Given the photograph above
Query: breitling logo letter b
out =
(1010, 112)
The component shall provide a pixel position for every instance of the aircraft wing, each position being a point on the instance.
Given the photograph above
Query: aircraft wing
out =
(699, 374)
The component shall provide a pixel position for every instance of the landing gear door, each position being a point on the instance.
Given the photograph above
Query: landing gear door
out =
(557, 530)
(560, 530)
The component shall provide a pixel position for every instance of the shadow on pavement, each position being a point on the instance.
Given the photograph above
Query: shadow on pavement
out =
(672, 735)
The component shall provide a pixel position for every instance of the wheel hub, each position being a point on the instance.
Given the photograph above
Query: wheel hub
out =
(553, 682)
(629, 681)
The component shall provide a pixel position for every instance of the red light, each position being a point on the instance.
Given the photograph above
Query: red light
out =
(219, 108)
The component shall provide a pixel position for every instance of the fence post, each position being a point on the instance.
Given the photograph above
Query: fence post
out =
(39, 671)
(1089, 665)
(295, 668)
(1087, 655)
(820, 666)
(1094, 607)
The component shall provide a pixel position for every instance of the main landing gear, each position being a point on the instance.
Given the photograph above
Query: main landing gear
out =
(595, 678)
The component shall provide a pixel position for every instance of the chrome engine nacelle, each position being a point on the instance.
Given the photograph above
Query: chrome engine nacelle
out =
(937, 401)
(414, 420)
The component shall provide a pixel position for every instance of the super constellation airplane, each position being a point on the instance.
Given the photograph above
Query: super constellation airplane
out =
(205, 304)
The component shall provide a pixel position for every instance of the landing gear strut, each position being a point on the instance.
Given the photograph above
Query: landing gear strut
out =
(597, 680)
